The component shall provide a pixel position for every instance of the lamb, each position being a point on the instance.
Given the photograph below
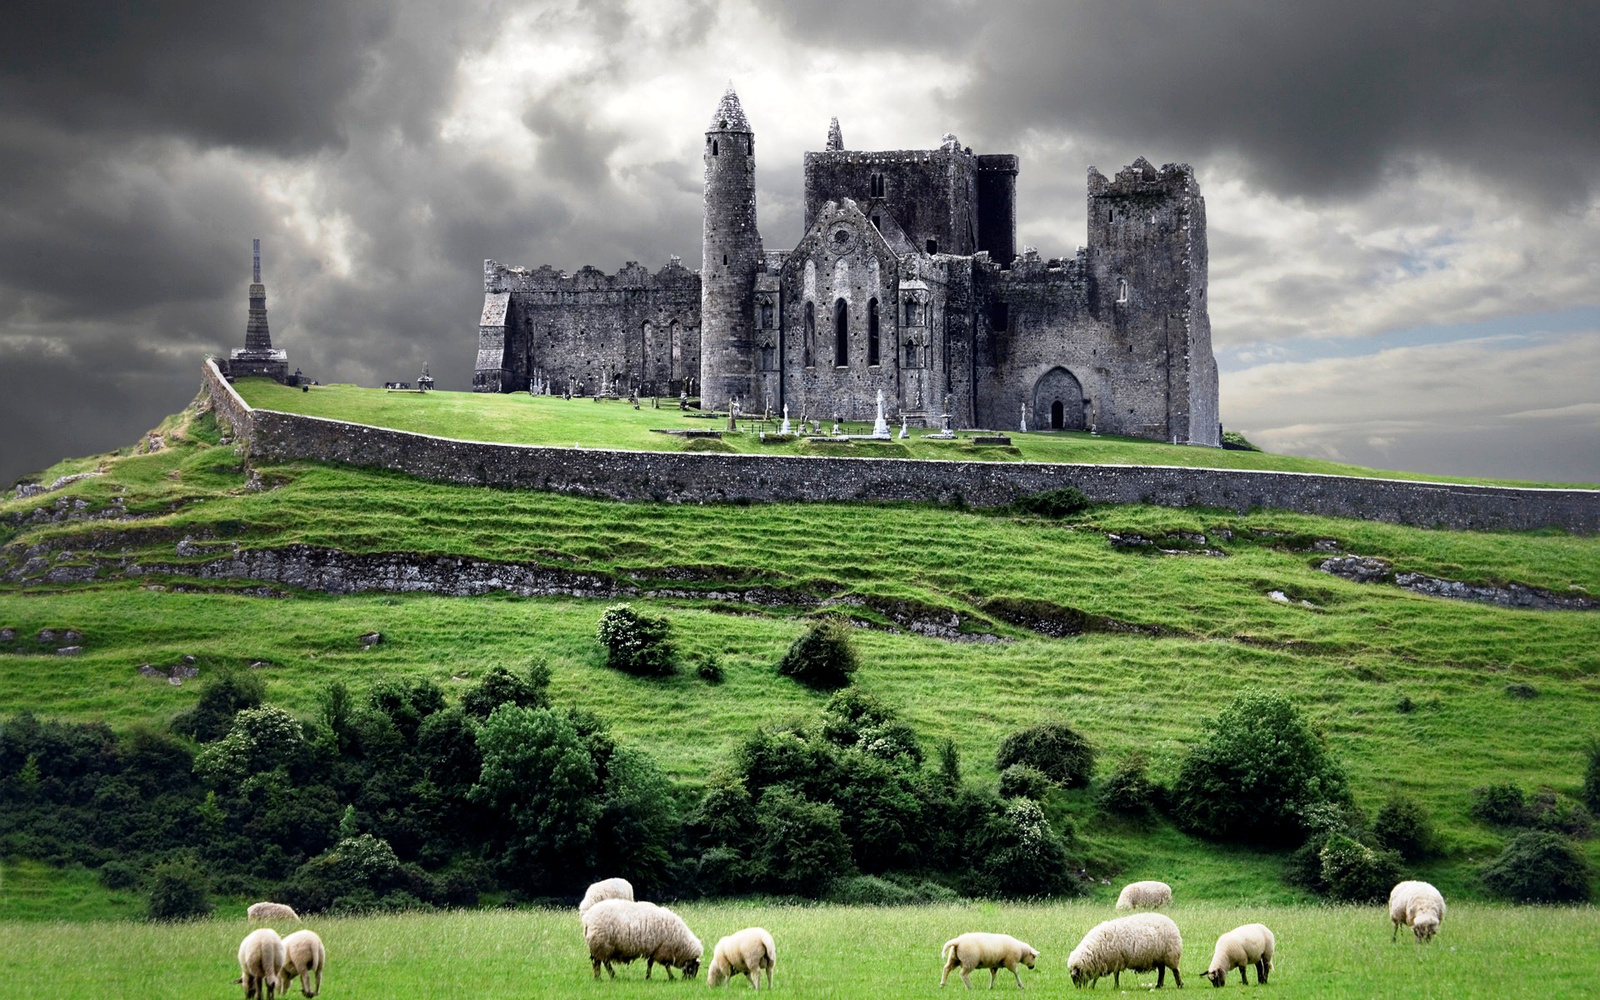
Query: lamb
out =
(1419, 906)
(266, 913)
(1144, 896)
(303, 955)
(621, 930)
(746, 952)
(611, 888)
(261, 958)
(994, 952)
(1142, 942)
(1251, 944)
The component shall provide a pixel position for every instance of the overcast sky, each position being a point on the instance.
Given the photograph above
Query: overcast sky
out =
(1403, 198)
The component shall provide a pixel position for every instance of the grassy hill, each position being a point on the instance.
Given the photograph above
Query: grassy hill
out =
(1414, 694)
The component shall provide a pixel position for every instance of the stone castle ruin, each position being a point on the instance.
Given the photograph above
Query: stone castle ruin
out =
(907, 282)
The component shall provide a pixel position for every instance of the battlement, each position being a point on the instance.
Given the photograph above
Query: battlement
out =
(498, 277)
(1142, 179)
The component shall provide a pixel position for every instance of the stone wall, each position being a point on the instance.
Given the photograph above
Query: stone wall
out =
(689, 477)
(231, 409)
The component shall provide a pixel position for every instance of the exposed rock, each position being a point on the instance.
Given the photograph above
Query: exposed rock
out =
(150, 671)
(372, 638)
(260, 664)
(47, 636)
(1370, 569)
(188, 658)
(8, 634)
(1282, 598)
(69, 651)
(72, 635)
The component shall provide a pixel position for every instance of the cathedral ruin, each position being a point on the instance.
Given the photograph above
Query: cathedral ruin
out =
(906, 281)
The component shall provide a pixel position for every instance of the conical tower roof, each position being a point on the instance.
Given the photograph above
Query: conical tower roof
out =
(729, 116)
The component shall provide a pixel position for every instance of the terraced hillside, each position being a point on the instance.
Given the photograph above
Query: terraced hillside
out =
(1131, 623)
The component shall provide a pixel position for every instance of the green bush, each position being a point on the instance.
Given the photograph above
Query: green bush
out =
(501, 687)
(118, 875)
(1257, 773)
(801, 847)
(1352, 872)
(1539, 867)
(224, 695)
(178, 890)
(1500, 805)
(1022, 855)
(354, 875)
(1128, 790)
(1063, 502)
(1020, 780)
(1053, 748)
(873, 890)
(1403, 826)
(637, 643)
(708, 669)
(823, 657)
(1550, 810)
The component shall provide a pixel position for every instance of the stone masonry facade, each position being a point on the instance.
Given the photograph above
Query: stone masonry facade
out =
(690, 477)
(907, 282)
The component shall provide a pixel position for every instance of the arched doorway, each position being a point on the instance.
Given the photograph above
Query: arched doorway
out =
(1058, 401)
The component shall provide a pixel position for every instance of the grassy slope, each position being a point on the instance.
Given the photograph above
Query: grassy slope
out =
(847, 953)
(1347, 662)
(550, 420)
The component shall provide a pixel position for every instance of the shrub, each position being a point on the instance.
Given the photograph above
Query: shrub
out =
(1500, 805)
(1591, 775)
(1403, 826)
(636, 643)
(873, 890)
(1128, 790)
(823, 657)
(354, 875)
(1539, 867)
(801, 847)
(1521, 689)
(1063, 502)
(224, 695)
(1020, 780)
(177, 890)
(500, 686)
(709, 670)
(1549, 810)
(118, 875)
(1053, 748)
(1258, 771)
(856, 720)
(1352, 872)
(1022, 854)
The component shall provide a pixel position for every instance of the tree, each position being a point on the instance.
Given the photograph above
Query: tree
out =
(1258, 771)
(801, 846)
(227, 693)
(500, 686)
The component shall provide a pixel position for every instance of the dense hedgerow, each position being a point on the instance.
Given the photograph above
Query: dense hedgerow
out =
(1257, 773)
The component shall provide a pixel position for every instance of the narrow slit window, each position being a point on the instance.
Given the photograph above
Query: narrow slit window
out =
(713, 147)
(872, 332)
(841, 334)
(1122, 290)
(810, 331)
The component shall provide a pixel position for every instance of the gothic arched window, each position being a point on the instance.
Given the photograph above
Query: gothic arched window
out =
(841, 334)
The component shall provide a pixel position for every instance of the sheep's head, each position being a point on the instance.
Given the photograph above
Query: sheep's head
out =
(1218, 977)
(1425, 927)
(1029, 956)
(691, 968)
(1079, 976)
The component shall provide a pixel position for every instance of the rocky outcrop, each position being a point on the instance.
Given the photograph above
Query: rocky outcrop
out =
(1371, 569)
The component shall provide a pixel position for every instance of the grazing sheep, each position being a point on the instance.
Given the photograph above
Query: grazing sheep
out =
(261, 963)
(303, 955)
(747, 952)
(1251, 944)
(266, 913)
(1144, 896)
(1419, 906)
(621, 930)
(994, 952)
(611, 888)
(1139, 943)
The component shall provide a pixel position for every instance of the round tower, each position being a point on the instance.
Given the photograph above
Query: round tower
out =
(732, 260)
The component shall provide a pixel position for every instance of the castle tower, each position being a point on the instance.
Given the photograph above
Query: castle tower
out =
(256, 335)
(257, 357)
(732, 259)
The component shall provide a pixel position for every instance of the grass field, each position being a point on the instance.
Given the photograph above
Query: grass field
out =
(518, 418)
(839, 952)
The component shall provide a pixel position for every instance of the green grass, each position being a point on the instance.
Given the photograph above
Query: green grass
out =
(518, 418)
(1348, 662)
(837, 952)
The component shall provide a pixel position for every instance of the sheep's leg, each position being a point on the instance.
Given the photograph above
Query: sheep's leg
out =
(649, 963)
(755, 980)
(1262, 968)
(964, 979)
(992, 973)
(948, 965)
(1013, 967)
(1244, 978)
(1161, 976)
(1116, 979)
(1177, 980)
(610, 969)
(1394, 935)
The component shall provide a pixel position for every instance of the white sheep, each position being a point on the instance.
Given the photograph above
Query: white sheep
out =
(261, 964)
(303, 956)
(611, 888)
(266, 913)
(1140, 943)
(976, 950)
(621, 930)
(1419, 906)
(1144, 896)
(1240, 948)
(748, 952)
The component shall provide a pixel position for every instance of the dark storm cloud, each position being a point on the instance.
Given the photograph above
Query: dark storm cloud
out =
(1318, 98)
